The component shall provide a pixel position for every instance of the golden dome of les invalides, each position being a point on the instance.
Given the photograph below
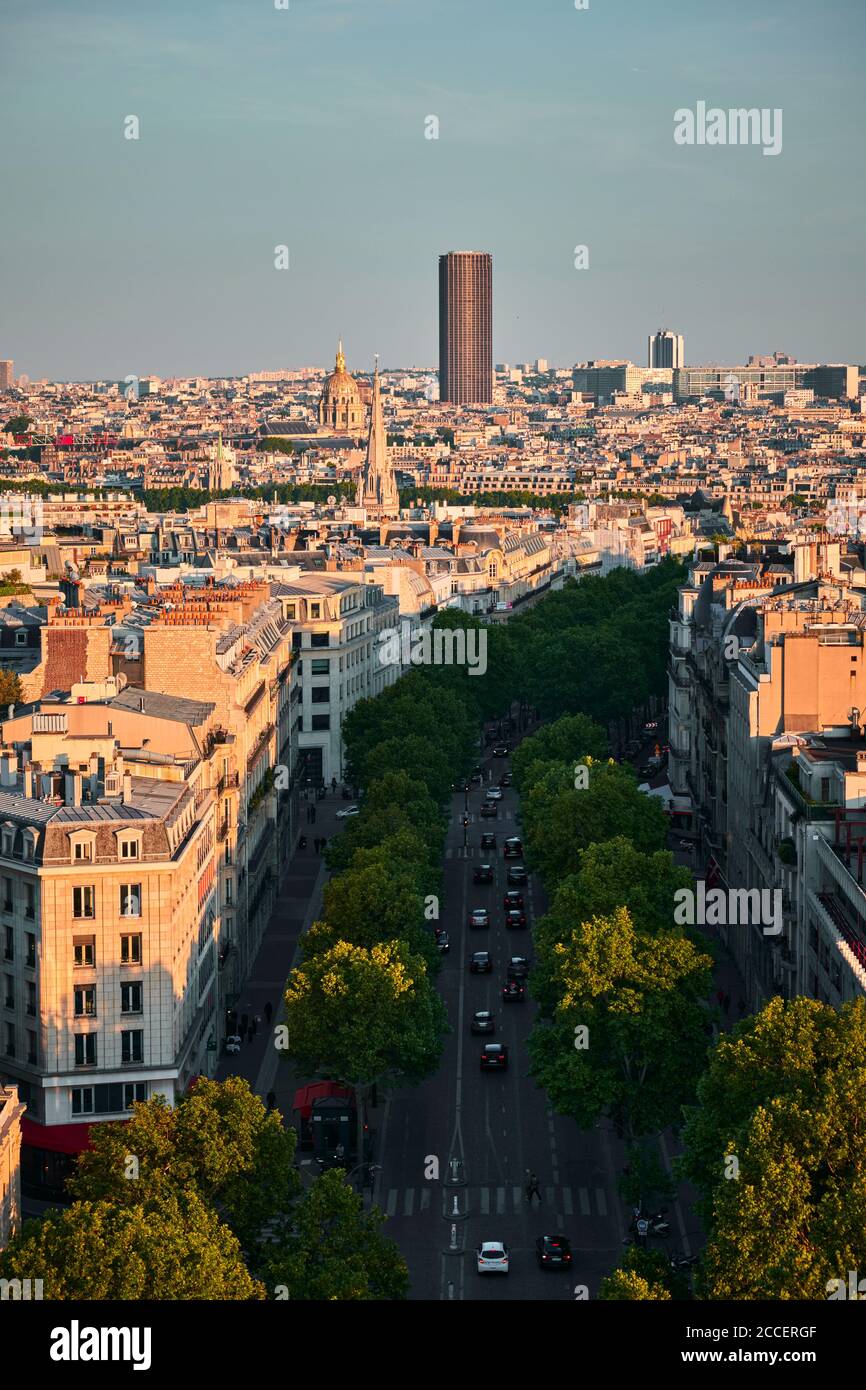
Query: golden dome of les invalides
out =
(341, 408)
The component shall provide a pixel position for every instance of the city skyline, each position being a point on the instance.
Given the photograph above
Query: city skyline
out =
(164, 258)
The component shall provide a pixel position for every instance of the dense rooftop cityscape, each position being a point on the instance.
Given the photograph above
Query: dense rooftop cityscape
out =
(432, 797)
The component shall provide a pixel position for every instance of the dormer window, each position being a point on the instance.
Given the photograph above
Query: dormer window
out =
(128, 846)
(83, 846)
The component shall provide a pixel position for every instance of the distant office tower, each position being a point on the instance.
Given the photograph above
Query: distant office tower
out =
(665, 349)
(7, 378)
(466, 327)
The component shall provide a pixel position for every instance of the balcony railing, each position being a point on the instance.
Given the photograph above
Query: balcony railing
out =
(228, 780)
(679, 676)
(833, 906)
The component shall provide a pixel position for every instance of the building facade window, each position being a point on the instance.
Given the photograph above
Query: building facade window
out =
(84, 901)
(85, 1049)
(130, 900)
(131, 998)
(132, 1045)
(85, 1001)
(84, 951)
(130, 948)
(30, 942)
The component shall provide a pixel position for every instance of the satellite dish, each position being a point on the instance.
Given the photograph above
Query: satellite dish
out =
(331, 501)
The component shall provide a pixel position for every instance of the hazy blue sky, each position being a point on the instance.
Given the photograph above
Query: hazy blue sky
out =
(305, 127)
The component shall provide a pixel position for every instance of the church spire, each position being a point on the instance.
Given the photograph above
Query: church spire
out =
(341, 361)
(377, 489)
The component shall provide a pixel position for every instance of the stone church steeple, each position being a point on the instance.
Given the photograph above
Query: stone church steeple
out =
(377, 488)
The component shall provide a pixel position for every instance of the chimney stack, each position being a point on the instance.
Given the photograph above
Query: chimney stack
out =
(127, 788)
(28, 781)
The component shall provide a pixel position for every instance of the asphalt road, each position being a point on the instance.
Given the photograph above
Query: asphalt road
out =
(496, 1125)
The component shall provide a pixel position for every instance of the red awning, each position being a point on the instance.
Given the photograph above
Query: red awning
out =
(62, 1139)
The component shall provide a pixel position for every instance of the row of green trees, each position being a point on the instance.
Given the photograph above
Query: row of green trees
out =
(769, 1118)
(203, 1201)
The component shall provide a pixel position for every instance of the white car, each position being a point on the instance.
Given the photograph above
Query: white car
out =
(492, 1257)
(494, 793)
(233, 1043)
(348, 811)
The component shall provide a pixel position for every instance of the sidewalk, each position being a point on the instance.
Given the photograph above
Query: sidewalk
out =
(298, 902)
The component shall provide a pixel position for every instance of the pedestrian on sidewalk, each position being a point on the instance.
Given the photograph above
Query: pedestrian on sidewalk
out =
(333, 785)
(256, 1021)
(269, 1009)
(532, 1188)
(272, 1100)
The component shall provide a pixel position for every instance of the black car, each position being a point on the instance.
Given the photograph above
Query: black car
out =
(513, 847)
(518, 967)
(443, 941)
(480, 963)
(483, 1022)
(515, 918)
(513, 991)
(489, 810)
(488, 839)
(494, 1057)
(460, 785)
(512, 900)
(553, 1252)
(482, 873)
(517, 874)
(505, 779)
(500, 751)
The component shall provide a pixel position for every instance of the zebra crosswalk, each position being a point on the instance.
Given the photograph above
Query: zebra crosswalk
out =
(492, 1200)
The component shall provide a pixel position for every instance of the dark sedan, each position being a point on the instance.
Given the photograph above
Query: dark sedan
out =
(482, 873)
(483, 1022)
(494, 1057)
(480, 963)
(553, 1252)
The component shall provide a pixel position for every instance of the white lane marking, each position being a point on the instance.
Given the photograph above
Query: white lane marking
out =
(425, 1198)
(485, 1201)
(549, 1196)
(567, 1203)
(602, 1201)
(500, 1201)
(409, 1202)
(584, 1201)
(392, 1202)
(517, 1197)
